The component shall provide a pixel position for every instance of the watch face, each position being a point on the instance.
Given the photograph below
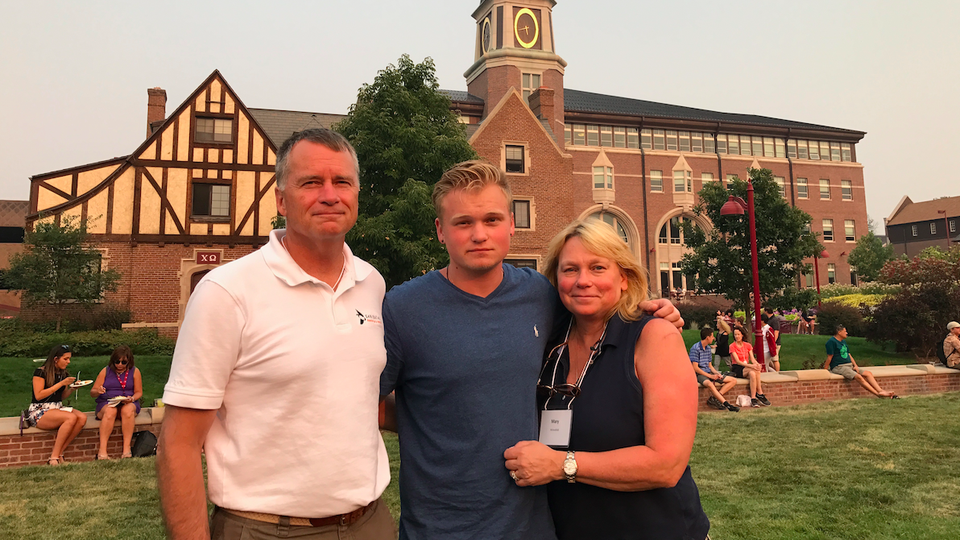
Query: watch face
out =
(526, 28)
(569, 467)
(485, 35)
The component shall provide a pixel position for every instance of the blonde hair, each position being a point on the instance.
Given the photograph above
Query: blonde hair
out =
(600, 239)
(470, 175)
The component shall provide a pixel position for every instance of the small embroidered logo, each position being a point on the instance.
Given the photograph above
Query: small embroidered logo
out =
(370, 318)
(535, 331)
(363, 318)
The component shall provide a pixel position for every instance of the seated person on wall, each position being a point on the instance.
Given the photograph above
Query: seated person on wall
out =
(118, 389)
(841, 362)
(951, 346)
(51, 384)
(745, 366)
(707, 375)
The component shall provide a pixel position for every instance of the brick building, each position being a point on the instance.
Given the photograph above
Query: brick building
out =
(198, 191)
(913, 227)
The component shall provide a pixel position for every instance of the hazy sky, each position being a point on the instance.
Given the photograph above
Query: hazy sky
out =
(73, 75)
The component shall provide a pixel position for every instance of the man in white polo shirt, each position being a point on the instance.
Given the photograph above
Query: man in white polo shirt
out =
(276, 374)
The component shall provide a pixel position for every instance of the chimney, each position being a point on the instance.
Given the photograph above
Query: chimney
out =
(542, 105)
(156, 107)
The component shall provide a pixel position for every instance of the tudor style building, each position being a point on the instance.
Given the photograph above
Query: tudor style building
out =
(198, 191)
(913, 227)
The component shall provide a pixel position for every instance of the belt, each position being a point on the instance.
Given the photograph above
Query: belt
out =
(342, 519)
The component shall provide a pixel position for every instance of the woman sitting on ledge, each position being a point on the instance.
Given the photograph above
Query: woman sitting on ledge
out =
(51, 383)
(118, 386)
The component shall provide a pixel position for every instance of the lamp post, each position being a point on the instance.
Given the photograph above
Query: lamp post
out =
(816, 272)
(735, 206)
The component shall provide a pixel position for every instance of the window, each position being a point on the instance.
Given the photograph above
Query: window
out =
(802, 188)
(781, 185)
(646, 136)
(809, 277)
(514, 159)
(768, 146)
(831, 273)
(659, 140)
(684, 141)
(721, 144)
(849, 230)
(603, 177)
(814, 149)
(521, 214)
(846, 190)
(620, 137)
(733, 144)
(211, 200)
(671, 140)
(933, 228)
(758, 146)
(731, 178)
(824, 189)
(606, 136)
(696, 142)
(675, 231)
(679, 182)
(214, 130)
(568, 134)
(531, 81)
(845, 152)
(745, 147)
(853, 276)
(522, 263)
(593, 135)
(824, 151)
(792, 149)
(707, 177)
(913, 230)
(708, 145)
(633, 139)
(834, 151)
(656, 182)
(780, 152)
(953, 225)
(612, 220)
(828, 230)
(802, 149)
(579, 135)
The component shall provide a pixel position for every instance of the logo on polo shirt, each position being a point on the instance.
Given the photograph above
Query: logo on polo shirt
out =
(373, 319)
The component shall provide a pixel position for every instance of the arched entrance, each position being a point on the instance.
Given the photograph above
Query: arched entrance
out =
(619, 220)
(670, 249)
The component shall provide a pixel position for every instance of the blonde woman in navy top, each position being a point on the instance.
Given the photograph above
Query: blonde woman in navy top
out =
(618, 401)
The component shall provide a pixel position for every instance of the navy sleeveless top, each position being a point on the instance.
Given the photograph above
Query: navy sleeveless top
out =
(607, 415)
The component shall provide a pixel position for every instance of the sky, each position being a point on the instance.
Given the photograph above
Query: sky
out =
(73, 75)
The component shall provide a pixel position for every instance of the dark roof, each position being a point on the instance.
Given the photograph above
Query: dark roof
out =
(460, 95)
(280, 124)
(589, 102)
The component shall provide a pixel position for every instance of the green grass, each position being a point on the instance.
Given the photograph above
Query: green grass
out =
(16, 376)
(848, 470)
(799, 348)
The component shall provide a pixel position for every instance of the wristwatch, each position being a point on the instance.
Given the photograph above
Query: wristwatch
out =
(570, 467)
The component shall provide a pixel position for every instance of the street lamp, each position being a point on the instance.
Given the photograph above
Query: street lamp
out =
(816, 272)
(735, 206)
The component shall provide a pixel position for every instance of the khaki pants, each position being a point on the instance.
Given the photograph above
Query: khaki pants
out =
(376, 524)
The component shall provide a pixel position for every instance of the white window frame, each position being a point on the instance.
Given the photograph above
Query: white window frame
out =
(850, 230)
(846, 190)
(531, 214)
(827, 225)
(914, 230)
(803, 190)
(933, 227)
(526, 157)
(656, 181)
(824, 183)
(528, 88)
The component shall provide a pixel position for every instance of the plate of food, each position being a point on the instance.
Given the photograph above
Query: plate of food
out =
(78, 384)
(116, 399)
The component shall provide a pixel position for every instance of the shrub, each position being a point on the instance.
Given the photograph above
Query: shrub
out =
(916, 318)
(702, 310)
(833, 313)
(869, 287)
(792, 298)
(855, 300)
(21, 342)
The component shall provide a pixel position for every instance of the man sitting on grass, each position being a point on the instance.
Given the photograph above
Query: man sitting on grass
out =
(707, 375)
(841, 362)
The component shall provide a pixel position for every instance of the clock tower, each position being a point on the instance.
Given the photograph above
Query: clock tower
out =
(515, 48)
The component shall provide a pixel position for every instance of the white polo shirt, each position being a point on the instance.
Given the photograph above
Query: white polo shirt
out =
(293, 368)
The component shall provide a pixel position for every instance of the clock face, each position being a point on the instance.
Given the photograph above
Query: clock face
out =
(526, 28)
(485, 35)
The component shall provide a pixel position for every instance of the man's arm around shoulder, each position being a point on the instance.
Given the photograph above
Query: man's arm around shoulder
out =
(183, 499)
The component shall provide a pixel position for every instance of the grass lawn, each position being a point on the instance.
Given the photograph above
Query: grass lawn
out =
(854, 469)
(16, 375)
(795, 349)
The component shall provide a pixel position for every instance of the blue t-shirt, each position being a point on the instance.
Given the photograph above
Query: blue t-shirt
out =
(465, 372)
(702, 356)
(838, 349)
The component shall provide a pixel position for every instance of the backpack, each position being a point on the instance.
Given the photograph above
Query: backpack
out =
(144, 444)
(940, 353)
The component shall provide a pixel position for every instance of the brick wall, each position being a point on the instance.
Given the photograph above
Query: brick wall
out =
(34, 448)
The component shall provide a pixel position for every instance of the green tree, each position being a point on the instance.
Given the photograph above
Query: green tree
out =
(869, 256)
(721, 257)
(59, 267)
(406, 136)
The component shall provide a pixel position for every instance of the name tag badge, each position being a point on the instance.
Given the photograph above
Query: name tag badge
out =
(555, 428)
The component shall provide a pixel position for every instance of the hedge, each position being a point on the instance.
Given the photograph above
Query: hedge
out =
(19, 342)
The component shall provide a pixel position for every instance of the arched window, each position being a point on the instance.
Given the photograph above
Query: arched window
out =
(614, 222)
(672, 231)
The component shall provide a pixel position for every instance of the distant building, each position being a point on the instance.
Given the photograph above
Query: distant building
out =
(912, 227)
(198, 191)
(12, 218)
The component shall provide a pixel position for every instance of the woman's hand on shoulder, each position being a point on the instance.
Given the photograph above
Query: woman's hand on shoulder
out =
(663, 308)
(534, 463)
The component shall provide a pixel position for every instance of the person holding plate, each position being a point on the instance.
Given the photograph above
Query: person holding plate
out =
(117, 390)
(51, 384)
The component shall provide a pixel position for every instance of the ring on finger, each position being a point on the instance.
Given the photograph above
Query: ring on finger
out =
(513, 474)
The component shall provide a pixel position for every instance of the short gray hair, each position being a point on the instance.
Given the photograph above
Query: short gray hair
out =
(322, 136)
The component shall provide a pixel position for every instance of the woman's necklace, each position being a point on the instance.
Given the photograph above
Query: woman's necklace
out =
(126, 375)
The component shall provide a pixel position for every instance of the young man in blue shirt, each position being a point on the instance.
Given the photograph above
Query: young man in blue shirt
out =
(707, 375)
